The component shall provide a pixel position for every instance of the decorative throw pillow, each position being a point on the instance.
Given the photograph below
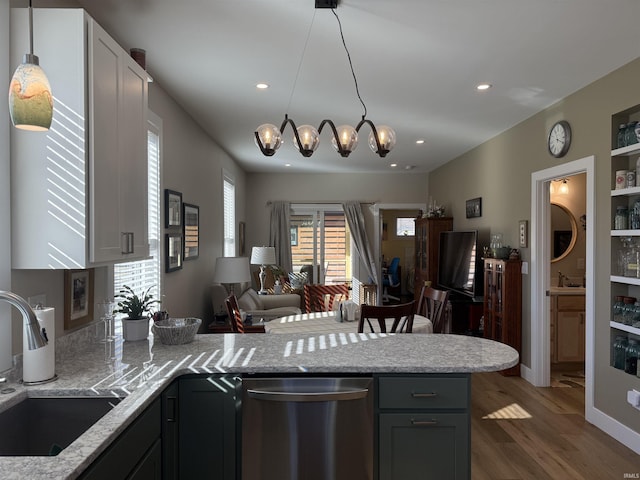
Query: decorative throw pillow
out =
(249, 300)
(298, 280)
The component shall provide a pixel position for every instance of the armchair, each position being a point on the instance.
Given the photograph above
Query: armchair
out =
(391, 279)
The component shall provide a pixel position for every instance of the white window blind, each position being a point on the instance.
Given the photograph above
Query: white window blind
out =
(143, 274)
(229, 200)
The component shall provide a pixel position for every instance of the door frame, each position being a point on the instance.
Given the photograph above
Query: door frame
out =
(377, 232)
(539, 372)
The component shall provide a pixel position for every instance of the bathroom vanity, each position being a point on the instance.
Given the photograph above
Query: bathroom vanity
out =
(567, 324)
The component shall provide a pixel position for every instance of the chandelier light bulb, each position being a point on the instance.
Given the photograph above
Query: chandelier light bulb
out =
(386, 138)
(348, 138)
(309, 140)
(268, 138)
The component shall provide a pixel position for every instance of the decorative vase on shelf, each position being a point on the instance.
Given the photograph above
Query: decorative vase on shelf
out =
(135, 330)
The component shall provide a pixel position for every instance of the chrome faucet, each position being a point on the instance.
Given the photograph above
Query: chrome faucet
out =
(34, 338)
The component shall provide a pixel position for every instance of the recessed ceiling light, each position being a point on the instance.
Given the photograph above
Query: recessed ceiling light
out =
(483, 86)
(287, 164)
(393, 165)
(262, 86)
(409, 167)
(420, 142)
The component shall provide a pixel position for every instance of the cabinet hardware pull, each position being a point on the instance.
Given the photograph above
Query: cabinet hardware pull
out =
(171, 409)
(424, 395)
(126, 242)
(423, 423)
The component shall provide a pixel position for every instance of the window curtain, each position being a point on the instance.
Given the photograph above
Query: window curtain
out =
(280, 234)
(355, 219)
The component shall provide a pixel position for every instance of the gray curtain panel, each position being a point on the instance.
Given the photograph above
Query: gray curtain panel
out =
(355, 219)
(280, 234)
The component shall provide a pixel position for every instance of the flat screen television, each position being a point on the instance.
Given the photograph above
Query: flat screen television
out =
(459, 265)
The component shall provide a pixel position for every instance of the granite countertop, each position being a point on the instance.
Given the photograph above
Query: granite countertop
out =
(140, 371)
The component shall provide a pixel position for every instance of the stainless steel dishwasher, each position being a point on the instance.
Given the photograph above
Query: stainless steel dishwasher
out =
(307, 428)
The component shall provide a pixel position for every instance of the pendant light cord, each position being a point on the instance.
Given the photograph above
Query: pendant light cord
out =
(353, 73)
(30, 29)
(304, 50)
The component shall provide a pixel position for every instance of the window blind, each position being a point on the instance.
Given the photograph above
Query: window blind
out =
(229, 200)
(144, 274)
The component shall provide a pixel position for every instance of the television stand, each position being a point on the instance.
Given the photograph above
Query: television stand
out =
(465, 314)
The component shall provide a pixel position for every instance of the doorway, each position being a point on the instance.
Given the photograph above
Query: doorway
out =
(541, 254)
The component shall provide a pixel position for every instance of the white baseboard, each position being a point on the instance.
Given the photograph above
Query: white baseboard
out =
(526, 373)
(612, 427)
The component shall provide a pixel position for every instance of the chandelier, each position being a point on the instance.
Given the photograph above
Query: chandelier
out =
(344, 139)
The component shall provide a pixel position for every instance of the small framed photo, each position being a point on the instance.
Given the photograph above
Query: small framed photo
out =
(78, 298)
(191, 226)
(523, 233)
(174, 252)
(172, 208)
(474, 207)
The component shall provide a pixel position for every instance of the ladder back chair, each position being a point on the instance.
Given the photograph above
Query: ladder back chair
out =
(433, 305)
(401, 314)
(235, 317)
(321, 298)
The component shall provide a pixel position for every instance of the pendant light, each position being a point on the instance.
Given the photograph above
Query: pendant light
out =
(30, 99)
(306, 138)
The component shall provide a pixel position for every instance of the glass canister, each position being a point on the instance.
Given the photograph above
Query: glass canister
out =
(621, 220)
(618, 305)
(634, 216)
(619, 351)
(631, 356)
(621, 140)
(630, 133)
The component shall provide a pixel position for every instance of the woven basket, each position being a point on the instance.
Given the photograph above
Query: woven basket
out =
(176, 331)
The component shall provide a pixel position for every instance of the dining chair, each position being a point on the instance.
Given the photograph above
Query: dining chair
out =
(433, 305)
(235, 317)
(321, 298)
(401, 314)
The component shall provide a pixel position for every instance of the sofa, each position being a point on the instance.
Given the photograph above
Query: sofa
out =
(261, 307)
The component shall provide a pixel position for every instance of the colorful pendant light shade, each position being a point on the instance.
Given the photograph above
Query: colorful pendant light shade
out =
(30, 99)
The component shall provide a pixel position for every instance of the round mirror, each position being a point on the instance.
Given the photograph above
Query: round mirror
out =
(564, 231)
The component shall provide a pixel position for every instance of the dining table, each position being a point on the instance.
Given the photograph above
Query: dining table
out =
(327, 323)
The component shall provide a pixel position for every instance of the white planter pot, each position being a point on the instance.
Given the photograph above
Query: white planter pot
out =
(134, 330)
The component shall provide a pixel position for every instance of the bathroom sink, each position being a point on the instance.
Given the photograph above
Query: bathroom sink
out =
(40, 426)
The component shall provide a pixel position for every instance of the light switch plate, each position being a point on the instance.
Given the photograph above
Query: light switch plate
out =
(633, 398)
(525, 268)
(37, 300)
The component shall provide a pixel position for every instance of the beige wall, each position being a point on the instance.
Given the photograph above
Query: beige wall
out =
(500, 171)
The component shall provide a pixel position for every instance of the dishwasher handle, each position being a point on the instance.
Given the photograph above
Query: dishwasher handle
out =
(279, 396)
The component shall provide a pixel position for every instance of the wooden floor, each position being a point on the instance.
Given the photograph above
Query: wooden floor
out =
(522, 432)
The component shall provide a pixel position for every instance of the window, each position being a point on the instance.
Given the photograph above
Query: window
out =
(229, 200)
(405, 227)
(143, 274)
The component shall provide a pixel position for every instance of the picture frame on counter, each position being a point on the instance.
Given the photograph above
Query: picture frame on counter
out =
(191, 219)
(78, 297)
(172, 208)
(173, 247)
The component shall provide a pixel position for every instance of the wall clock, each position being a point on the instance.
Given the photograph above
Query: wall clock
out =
(559, 139)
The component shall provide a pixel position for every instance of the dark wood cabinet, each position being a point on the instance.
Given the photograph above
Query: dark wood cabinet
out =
(503, 304)
(427, 249)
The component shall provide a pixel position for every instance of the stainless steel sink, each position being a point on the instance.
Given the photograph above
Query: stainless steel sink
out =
(40, 426)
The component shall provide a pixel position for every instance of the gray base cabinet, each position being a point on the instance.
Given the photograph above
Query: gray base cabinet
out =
(424, 427)
(136, 454)
(208, 423)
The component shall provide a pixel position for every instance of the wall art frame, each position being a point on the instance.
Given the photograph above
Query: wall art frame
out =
(173, 250)
(474, 207)
(78, 298)
(523, 234)
(191, 230)
(172, 208)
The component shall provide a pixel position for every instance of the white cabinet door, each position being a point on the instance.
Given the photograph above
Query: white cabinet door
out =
(118, 173)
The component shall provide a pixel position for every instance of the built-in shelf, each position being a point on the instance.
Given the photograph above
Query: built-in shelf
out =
(625, 233)
(625, 280)
(626, 151)
(625, 191)
(625, 328)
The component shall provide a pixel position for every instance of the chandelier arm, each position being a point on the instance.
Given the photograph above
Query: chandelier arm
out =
(334, 130)
(381, 151)
(265, 152)
(287, 120)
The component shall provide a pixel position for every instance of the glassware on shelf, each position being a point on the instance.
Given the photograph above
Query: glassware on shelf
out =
(630, 133)
(107, 321)
(621, 140)
(628, 310)
(618, 305)
(631, 356)
(619, 351)
(621, 220)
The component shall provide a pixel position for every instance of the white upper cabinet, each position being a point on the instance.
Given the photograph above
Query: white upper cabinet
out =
(79, 191)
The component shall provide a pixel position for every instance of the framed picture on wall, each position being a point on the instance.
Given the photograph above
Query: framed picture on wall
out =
(191, 231)
(78, 297)
(474, 207)
(173, 247)
(172, 208)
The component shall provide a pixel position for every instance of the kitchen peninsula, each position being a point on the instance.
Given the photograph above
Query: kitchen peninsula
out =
(142, 371)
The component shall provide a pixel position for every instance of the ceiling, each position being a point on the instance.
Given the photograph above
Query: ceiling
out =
(417, 63)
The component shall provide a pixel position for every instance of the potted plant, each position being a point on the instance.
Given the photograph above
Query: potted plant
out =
(135, 325)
